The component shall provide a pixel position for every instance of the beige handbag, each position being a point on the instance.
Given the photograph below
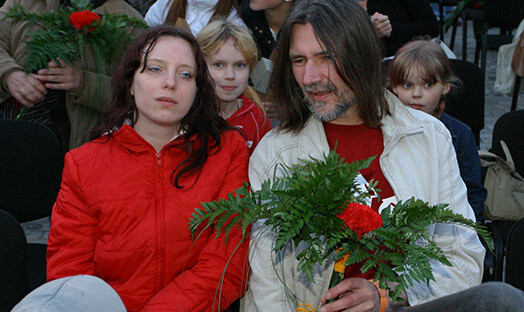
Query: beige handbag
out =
(505, 186)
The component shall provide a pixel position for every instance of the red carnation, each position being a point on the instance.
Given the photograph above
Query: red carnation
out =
(477, 5)
(81, 19)
(361, 219)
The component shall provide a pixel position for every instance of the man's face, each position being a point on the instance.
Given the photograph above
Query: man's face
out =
(327, 96)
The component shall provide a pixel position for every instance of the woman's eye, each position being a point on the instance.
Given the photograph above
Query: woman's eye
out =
(186, 75)
(429, 85)
(153, 69)
(241, 65)
(218, 65)
(406, 85)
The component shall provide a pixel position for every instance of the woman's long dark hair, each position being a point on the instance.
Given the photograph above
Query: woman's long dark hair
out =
(202, 125)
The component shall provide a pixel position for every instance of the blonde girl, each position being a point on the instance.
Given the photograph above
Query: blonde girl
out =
(231, 54)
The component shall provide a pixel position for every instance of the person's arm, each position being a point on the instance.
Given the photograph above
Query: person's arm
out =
(13, 80)
(204, 286)
(72, 235)
(470, 171)
(460, 244)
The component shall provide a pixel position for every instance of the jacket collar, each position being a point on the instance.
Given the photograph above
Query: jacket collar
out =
(401, 122)
(129, 139)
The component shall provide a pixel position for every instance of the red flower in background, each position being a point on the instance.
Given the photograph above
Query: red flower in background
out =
(361, 219)
(81, 19)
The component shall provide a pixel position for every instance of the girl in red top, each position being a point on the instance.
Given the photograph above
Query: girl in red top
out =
(126, 198)
(231, 53)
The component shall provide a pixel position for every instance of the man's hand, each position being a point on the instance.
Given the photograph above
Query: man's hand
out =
(25, 88)
(382, 24)
(353, 294)
(63, 77)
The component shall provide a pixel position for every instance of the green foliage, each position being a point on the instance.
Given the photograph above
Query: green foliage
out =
(302, 207)
(58, 39)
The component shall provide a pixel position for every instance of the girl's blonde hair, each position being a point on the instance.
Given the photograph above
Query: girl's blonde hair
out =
(431, 60)
(217, 32)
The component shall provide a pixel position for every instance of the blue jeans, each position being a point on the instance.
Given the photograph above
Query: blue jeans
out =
(487, 297)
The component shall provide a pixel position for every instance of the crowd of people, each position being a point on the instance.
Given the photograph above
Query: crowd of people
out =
(179, 124)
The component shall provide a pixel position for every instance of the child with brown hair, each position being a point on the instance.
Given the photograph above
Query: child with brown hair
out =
(421, 76)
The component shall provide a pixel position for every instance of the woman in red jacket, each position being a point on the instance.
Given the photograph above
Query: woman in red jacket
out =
(127, 196)
(231, 54)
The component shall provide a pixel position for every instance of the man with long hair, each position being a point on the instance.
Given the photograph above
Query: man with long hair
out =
(327, 87)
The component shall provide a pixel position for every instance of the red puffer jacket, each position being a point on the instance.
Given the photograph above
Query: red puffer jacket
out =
(250, 119)
(118, 217)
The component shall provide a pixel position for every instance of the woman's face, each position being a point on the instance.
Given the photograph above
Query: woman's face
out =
(165, 90)
(229, 70)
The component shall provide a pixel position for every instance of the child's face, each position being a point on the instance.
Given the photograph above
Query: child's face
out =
(229, 70)
(419, 94)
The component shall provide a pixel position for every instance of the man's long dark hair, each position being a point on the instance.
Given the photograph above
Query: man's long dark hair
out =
(202, 124)
(346, 31)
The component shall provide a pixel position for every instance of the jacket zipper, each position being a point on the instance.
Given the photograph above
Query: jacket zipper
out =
(159, 162)
(161, 256)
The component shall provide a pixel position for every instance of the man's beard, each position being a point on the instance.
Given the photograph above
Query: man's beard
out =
(342, 105)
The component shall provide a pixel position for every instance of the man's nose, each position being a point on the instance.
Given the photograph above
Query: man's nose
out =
(312, 73)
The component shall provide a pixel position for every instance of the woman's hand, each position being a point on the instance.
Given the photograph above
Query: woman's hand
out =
(352, 294)
(25, 88)
(63, 77)
(382, 24)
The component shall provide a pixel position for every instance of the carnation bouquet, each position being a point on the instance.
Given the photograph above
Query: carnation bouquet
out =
(318, 202)
(64, 36)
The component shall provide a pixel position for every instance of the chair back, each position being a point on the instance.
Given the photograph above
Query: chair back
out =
(13, 262)
(31, 165)
(505, 14)
(515, 256)
(466, 103)
(510, 128)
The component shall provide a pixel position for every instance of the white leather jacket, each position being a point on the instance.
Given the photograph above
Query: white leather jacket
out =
(418, 160)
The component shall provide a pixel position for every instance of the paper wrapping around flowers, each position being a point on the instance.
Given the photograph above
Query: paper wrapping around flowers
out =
(340, 264)
(305, 307)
